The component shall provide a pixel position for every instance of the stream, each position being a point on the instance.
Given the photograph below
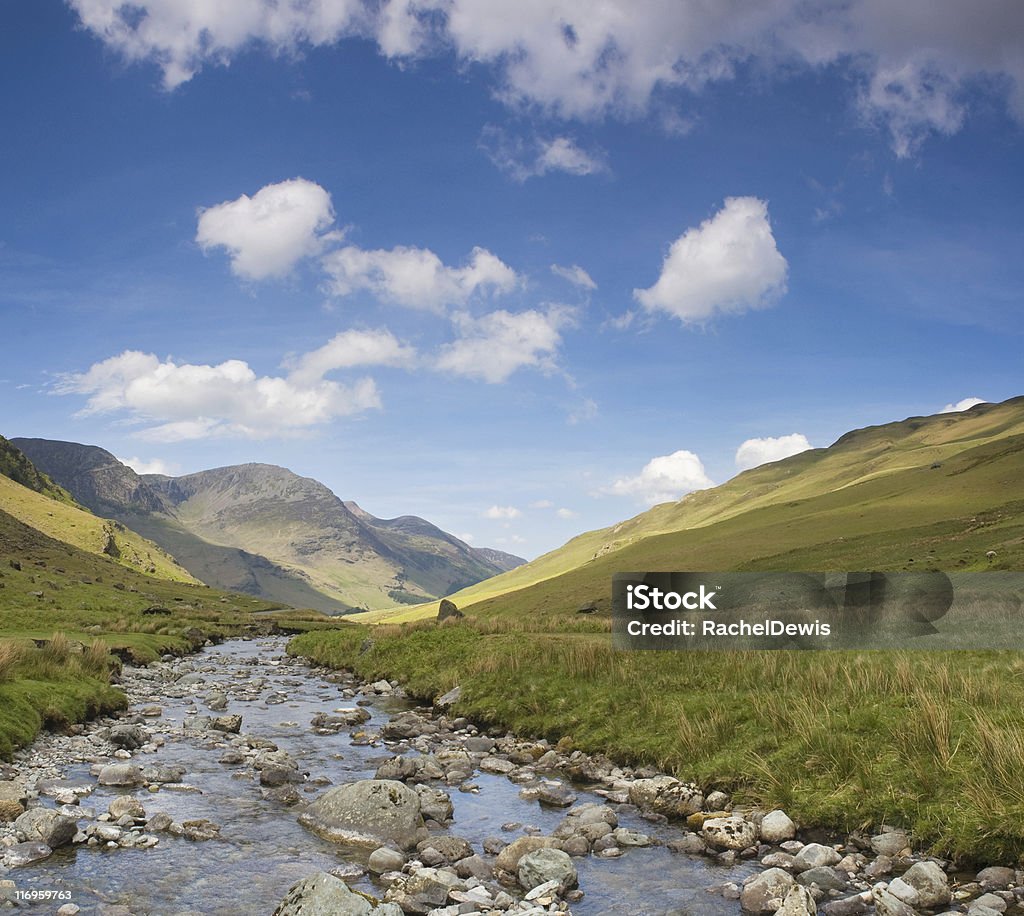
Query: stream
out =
(262, 850)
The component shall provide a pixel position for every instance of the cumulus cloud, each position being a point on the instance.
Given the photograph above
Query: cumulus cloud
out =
(542, 504)
(566, 513)
(965, 404)
(911, 61)
(153, 466)
(576, 275)
(267, 234)
(180, 401)
(495, 345)
(416, 277)
(351, 349)
(755, 452)
(503, 512)
(728, 264)
(664, 479)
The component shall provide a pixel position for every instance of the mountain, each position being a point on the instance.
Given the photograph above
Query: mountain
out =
(934, 492)
(263, 530)
(32, 498)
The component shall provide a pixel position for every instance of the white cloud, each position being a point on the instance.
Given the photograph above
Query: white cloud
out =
(179, 401)
(153, 466)
(502, 512)
(267, 234)
(755, 452)
(729, 264)
(664, 479)
(522, 158)
(965, 404)
(566, 513)
(542, 504)
(495, 345)
(416, 277)
(585, 411)
(576, 275)
(348, 350)
(911, 60)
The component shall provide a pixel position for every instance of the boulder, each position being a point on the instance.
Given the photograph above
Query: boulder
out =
(383, 859)
(322, 895)
(546, 865)
(508, 858)
(449, 849)
(230, 724)
(765, 892)
(126, 804)
(887, 904)
(798, 902)
(27, 853)
(435, 804)
(368, 813)
(121, 774)
(729, 833)
(448, 610)
(128, 737)
(12, 799)
(993, 876)
(44, 825)
(930, 882)
(776, 827)
(891, 843)
(815, 855)
(666, 795)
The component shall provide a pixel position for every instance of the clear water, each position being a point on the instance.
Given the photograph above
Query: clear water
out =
(263, 851)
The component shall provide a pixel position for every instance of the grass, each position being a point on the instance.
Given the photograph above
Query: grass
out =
(929, 740)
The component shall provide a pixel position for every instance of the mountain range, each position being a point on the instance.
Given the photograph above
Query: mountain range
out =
(263, 530)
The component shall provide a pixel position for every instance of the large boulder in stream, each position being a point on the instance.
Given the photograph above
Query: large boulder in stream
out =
(368, 813)
(324, 895)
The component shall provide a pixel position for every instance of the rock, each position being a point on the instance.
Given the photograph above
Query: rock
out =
(435, 804)
(126, 804)
(449, 699)
(163, 774)
(716, 801)
(544, 865)
(776, 827)
(930, 882)
(666, 795)
(994, 876)
(278, 774)
(891, 843)
(848, 906)
(814, 855)
(729, 833)
(424, 890)
(322, 895)
(448, 610)
(21, 854)
(626, 837)
(200, 829)
(129, 737)
(217, 700)
(69, 909)
(449, 848)
(828, 879)
(508, 858)
(576, 845)
(798, 902)
(690, 845)
(988, 901)
(12, 800)
(765, 892)
(121, 774)
(887, 904)
(230, 724)
(159, 822)
(558, 796)
(978, 910)
(384, 858)
(44, 825)
(367, 813)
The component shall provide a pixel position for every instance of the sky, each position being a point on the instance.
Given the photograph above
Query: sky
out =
(523, 269)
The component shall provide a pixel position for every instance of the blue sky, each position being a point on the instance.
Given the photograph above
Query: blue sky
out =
(521, 269)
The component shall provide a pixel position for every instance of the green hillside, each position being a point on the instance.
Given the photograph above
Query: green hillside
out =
(16, 466)
(885, 497)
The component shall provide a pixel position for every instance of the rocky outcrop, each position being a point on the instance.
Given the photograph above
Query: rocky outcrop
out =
(367, 813)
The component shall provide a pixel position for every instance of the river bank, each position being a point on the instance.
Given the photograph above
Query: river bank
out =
(191, 803)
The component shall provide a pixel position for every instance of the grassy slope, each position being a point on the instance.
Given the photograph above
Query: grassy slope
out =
(928, 739)
(15, 465)
(69, 523)
(60, 588)
(822, 490)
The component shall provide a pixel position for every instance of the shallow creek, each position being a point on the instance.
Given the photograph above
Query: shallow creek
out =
(262, 850)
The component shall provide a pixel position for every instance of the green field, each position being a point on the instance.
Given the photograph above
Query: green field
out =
(930, 740)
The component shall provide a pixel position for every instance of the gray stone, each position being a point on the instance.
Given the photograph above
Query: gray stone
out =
(997, 876)
(384, 858)
(44, 825)
(764, 892)
(544, 865)
(848, 906)
(814, 855)
(126, 804)
(508, 858)
(887, 904)
(21, 854)
(776, 827)
(230, 724)
(128, 737)
(930, 882)
(558, 796)
(121, 774)
(666, 795)
(322, 895)
(992, 901)
(798, 902)
(891, 843)
(729, 833)
(448, 610)
(449, 848)
(368, 813)
(828, 879)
